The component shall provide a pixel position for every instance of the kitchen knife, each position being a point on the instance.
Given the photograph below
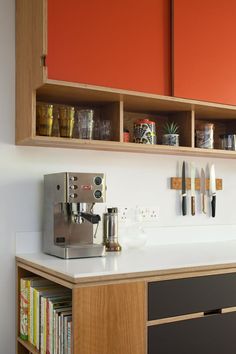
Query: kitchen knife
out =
(213, 190)
(192, 175)
(184, 194)
(203, 190)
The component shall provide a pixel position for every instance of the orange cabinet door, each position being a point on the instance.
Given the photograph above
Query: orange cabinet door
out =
(204, 49)
(121, 44)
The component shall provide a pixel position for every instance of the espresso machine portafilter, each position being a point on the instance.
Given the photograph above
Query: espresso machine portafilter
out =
(69, 221)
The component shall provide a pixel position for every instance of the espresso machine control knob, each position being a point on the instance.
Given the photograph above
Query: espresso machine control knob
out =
(97, 194)
(73, 187)
(98, 181)
(73, 195)
(73, 178)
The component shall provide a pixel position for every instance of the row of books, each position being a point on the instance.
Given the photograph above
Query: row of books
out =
(46, 315)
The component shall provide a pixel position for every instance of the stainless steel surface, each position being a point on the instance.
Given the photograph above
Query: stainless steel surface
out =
(212, 181)
(110, 226)
(203, 191)
(67, 196)
(192, 179)
(203, 182)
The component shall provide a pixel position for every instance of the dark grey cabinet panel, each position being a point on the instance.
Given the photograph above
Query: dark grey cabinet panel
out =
(214, 334)
(201, 294)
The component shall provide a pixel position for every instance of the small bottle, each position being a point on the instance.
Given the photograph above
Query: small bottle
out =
(110, 230)
(126, 136)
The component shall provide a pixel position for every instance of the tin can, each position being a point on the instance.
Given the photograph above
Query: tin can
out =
(144, 131)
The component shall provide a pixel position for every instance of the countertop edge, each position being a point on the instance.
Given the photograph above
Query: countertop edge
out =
(164, 274)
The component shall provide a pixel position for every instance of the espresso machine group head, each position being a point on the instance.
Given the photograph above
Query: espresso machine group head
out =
(69, 221)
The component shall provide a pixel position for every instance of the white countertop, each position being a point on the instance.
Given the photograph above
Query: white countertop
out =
(164, 259)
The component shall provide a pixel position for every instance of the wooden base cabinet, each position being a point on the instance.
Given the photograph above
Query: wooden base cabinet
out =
(175, 313)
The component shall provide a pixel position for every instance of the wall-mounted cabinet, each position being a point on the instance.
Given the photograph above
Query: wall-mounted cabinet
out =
(46, 72)
(203, 52)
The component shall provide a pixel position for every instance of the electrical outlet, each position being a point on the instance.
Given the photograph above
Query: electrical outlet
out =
(123, 214)
(147, 214)
(153, 213)
(141, 213)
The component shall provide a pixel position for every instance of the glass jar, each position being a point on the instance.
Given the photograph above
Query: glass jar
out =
(44, 119)
(66, 121)
(205, 136)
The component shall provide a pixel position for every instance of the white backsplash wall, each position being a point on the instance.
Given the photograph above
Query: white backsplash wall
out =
(132, 179)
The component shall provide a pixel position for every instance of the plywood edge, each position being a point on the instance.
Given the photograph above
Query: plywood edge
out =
(45, 272)
(29, 72)
(123, 147)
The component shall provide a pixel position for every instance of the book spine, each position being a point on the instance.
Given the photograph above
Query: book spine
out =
(31, 317)
(36, 318)
(69, 341)
(65, 335)
(47, 327)
(51, 326)
(28, 306)
(23, 310)
(42, 326)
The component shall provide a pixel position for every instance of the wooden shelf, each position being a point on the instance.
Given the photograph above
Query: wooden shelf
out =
(125, 147)
(28, 346)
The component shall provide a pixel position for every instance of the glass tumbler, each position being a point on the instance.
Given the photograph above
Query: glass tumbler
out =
(85, 123)
(66, 121)
(44, 119)
(105, 129)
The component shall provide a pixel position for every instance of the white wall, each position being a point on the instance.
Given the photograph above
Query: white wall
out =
(132, 179)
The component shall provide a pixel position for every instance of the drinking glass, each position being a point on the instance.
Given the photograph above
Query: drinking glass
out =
(105, 129)
(85, 123)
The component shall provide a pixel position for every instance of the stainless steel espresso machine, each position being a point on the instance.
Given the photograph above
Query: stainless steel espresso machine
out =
(69, 221)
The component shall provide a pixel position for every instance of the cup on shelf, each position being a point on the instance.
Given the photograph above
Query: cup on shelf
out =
(66, 121)
(105, 129)
(44, 119)
(85, 123)
(228, 142)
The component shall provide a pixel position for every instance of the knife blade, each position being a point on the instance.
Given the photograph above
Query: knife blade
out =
(213, 190)
(184, 194)
(192, 183)
(203, 191)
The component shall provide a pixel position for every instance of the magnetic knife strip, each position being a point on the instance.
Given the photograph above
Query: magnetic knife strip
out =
(176, 183)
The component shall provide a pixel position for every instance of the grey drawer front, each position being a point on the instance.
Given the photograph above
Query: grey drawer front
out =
(213, 334)
(183, 296)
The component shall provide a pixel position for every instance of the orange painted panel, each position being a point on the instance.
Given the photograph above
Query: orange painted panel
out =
(205, 50)
(122, 43)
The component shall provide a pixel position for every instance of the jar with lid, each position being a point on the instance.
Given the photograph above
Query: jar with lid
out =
(144, 131)
(205, 136)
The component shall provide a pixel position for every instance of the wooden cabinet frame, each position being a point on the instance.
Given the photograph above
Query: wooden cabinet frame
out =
(33, 84)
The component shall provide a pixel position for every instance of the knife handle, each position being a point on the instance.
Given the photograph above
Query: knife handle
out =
(184, 205)
(193, 205)
(213, 206)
